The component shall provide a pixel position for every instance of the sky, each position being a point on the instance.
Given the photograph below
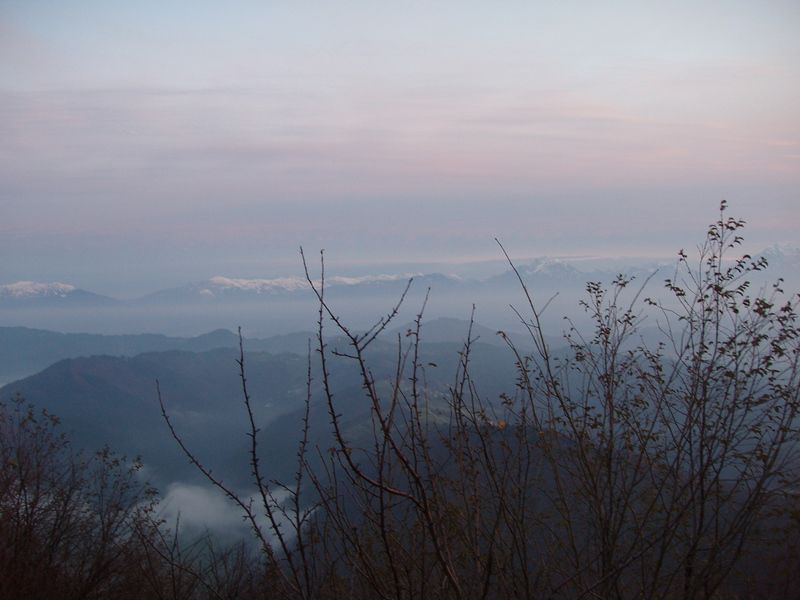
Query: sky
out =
(151, 143)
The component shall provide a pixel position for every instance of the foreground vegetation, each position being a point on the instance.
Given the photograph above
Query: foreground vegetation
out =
(619, 468)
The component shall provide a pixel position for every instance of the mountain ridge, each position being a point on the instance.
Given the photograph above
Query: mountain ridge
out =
(543, 269)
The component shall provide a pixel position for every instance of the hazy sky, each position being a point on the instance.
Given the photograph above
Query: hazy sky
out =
(155, 141)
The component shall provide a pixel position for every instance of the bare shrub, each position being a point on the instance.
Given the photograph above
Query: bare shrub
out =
(617, 468)
(69, 522)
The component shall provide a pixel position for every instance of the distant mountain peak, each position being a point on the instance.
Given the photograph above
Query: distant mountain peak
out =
(34, 289)
(258, 286)
(546, 265)
(782, 251)
(219, 283)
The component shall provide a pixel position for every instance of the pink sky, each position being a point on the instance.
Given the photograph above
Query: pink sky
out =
(229, 135)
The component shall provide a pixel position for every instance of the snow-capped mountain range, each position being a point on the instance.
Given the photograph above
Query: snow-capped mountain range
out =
(220, 289)
(290, 284)
(545, 272)
(31, 289)
(33, 294)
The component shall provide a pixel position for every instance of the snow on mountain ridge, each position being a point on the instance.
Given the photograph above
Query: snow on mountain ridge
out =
(292, 284)
(258, 285)
(29, 289)
(548, 266)
(782, 252)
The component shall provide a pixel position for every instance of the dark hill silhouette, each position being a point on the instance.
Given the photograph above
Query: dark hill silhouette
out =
(112, 399)
(24, 351)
